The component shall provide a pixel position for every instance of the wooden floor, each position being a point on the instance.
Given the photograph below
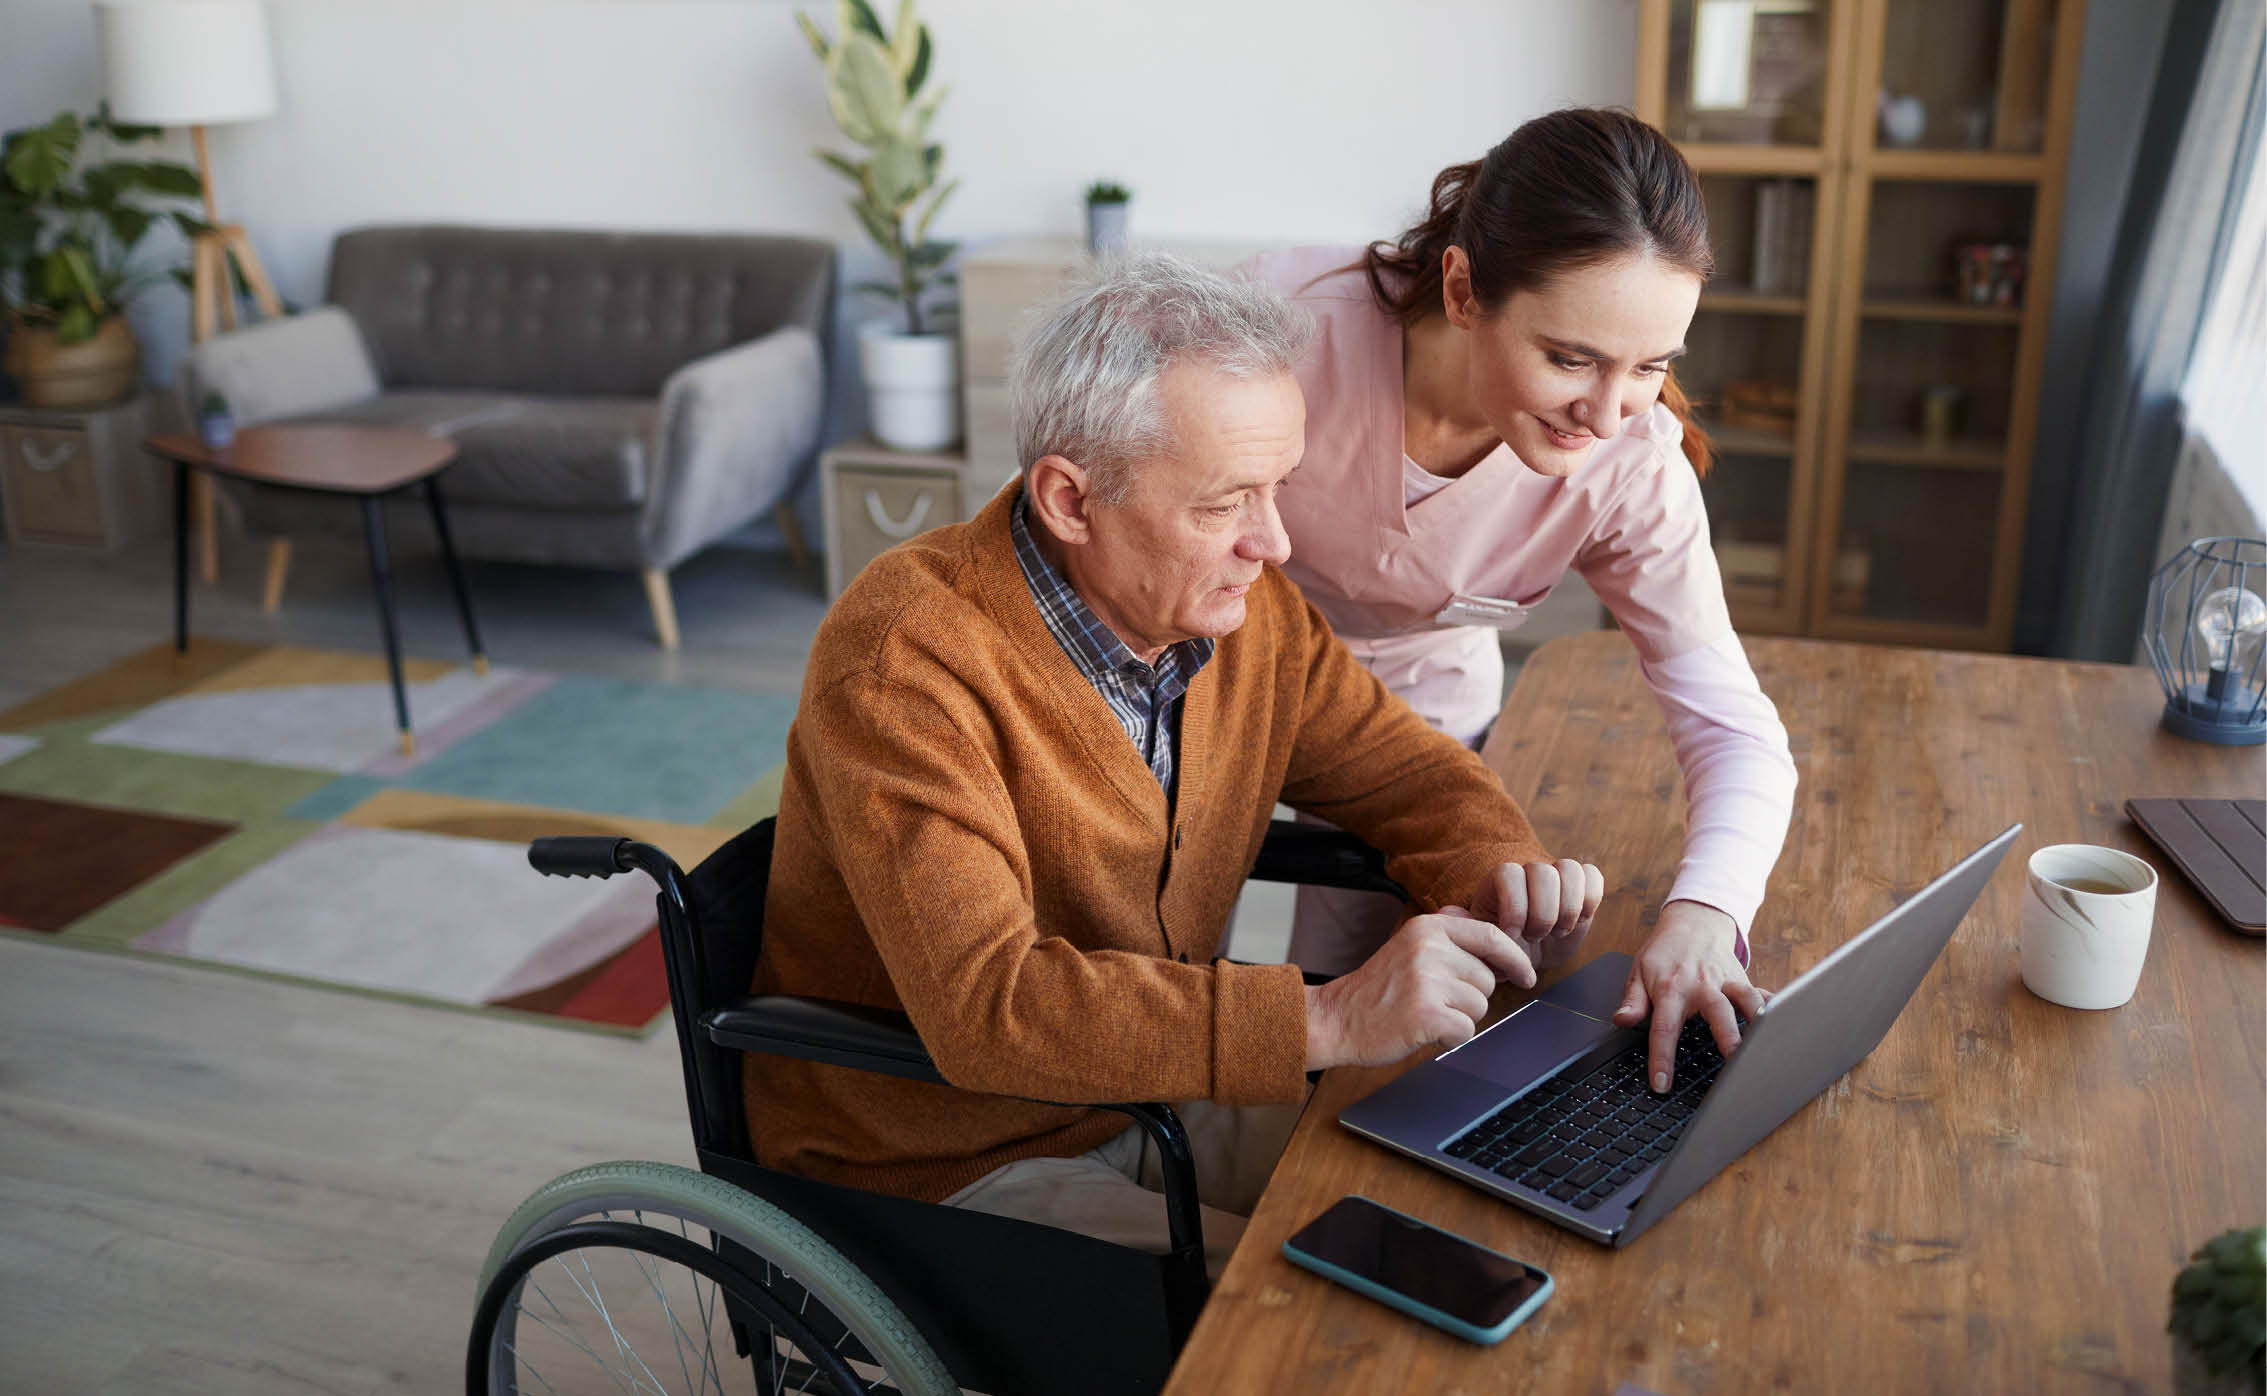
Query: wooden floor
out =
(216, 1183)
(213, 1183)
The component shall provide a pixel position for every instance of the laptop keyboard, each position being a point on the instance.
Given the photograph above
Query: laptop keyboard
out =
(1581, 1134)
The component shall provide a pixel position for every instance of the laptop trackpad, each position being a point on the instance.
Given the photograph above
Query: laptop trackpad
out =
(1529, 1043)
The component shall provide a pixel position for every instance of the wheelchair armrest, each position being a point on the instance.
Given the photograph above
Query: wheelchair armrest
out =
(1318, 857)
(822, 1030)
(873, 1039)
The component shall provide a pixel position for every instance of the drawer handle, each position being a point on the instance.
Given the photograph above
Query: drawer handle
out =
(40, 460)
(897, 528)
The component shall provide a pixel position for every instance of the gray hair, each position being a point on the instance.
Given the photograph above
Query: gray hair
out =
(1083, 381)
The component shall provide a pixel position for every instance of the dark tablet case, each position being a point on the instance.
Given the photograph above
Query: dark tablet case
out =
(2220, 845)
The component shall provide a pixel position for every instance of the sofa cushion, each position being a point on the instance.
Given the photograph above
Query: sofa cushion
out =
(441, 413)
(569, 311)
(564, 454)
(287, 367)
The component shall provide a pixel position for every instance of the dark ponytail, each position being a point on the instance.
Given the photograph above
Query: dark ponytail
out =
(1566, 190)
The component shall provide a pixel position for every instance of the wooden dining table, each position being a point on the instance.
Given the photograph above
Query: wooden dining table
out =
(1995, 1200)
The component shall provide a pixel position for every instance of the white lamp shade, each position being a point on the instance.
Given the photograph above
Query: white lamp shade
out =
(185, 62)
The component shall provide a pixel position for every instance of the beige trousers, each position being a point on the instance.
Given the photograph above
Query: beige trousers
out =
(1115, 1192)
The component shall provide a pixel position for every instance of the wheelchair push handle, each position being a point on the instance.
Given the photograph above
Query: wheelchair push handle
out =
(580, 856)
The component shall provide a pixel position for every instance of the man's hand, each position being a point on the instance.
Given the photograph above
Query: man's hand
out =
(1547, 907)
(1427, 986)
(1687, 968)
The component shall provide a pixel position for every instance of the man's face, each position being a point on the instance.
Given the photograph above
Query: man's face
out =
(1176, 558)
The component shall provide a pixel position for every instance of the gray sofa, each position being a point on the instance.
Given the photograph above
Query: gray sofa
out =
(617, 400)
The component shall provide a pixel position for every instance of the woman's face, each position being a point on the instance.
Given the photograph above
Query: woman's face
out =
(1558, 369)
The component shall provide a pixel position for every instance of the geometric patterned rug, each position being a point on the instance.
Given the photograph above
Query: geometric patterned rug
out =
(249, 807)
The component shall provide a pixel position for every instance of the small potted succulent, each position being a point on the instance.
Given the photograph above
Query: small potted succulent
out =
(215, 423)
(2219, 1316)
(1106, 216)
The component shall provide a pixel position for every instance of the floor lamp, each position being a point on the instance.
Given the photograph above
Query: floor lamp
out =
(198, 63)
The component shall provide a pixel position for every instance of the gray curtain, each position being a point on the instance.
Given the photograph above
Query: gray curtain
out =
(2092, 543)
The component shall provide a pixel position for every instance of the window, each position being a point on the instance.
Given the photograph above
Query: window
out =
(2221, 395)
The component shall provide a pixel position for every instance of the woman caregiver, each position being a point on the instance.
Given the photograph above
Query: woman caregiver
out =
(1489, 405)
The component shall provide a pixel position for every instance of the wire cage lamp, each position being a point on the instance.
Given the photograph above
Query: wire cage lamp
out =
(2204, 626)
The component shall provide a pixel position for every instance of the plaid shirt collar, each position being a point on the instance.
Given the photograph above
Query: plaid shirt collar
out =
(1145, 697)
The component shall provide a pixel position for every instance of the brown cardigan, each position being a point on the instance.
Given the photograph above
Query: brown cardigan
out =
(967, 835)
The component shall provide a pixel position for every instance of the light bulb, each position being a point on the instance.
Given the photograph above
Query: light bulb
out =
(2230, 622)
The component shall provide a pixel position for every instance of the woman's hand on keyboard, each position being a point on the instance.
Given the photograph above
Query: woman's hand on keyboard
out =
(1688, 968)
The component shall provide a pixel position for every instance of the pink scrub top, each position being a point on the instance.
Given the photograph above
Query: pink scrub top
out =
(1418, 574)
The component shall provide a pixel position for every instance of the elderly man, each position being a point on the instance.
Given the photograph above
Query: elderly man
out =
(1034, 759)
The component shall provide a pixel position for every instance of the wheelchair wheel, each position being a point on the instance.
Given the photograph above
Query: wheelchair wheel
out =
(647, 1277)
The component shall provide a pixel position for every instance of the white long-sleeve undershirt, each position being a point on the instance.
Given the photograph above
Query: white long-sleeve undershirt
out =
(1739, 776)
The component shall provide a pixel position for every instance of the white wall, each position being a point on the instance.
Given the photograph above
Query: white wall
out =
(1231, 120)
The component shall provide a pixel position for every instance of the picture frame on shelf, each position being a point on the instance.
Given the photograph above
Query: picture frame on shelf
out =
(1757, 70)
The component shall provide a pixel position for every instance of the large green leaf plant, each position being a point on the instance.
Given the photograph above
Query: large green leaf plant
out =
(69, 228)
(874, 80)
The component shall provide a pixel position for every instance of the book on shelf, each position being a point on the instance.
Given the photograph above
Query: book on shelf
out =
(1782, 236)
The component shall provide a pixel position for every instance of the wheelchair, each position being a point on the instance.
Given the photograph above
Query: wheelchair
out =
(648, 1277)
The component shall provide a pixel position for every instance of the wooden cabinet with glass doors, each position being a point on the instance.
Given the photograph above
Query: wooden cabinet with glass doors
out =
(1884, 187)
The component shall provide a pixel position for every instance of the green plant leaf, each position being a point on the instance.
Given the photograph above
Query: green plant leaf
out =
(171, 180)
(900, 176)
(105, 182)
(128, 224)
(859, 17)
(52, 276)
(39, 157)
(191, 225)
(878, 227)
(75, 324)
(905, 37)
(91, 284)
(239, 284)
(930, 254)
(2250, 1325)
(19, 230)
(842, 165)
(924, 112)
(886, 290)
(120, 131)
(932, 160)
(921, 228)
(818, 41)
(919, 72)
(862, 91)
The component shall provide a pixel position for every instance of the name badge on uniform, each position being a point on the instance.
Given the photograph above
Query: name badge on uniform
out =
(1483, 610)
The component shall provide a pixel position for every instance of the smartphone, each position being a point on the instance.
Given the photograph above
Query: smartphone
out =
(1425, 1272)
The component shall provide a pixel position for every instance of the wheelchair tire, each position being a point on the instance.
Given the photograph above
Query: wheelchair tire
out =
(776, 1276)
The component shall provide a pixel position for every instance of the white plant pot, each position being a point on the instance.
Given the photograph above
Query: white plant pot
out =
(1106, 227)
(912, 387)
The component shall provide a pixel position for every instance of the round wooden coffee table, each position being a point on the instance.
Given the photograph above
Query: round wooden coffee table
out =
(366, 463)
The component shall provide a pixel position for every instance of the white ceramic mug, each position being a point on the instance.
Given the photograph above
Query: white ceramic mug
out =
(2086, 918)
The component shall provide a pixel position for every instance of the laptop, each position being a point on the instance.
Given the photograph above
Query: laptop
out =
(1549, 1108)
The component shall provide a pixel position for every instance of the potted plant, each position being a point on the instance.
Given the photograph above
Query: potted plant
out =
(874, 82)
(68, 233)
(1106, 216)
(2219, 1316)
